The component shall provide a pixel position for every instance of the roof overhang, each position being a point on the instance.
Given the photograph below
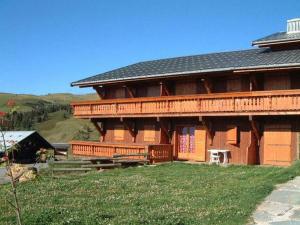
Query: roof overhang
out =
(275, 42)
(261, 68)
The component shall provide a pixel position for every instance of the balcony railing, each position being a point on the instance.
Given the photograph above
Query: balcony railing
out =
(156, 152)
(240, 103)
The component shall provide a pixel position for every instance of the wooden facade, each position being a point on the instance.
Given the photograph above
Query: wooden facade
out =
(237, 114)
(253, 113)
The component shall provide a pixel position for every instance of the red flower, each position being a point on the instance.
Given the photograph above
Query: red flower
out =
(4, 158)
(11, 103)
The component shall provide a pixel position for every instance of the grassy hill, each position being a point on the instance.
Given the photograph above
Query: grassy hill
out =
(58, 127)
(26, 102)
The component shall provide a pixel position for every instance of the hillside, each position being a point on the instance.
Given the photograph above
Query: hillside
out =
(26, 102)
(59, 126)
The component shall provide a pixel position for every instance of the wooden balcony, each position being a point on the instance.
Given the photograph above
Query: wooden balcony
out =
(220, 104)
(156, 152)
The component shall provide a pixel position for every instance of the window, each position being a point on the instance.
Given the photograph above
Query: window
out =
(149, 133)
(119, 133)
(232, 135)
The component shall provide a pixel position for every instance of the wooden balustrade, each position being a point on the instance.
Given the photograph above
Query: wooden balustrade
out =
(156, 152)
(240, 103)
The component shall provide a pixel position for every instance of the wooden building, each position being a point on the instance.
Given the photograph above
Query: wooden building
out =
(178, 108)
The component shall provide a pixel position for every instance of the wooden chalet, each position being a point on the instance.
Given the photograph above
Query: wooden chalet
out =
(247, 102)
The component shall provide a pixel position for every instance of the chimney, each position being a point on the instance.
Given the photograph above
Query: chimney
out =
(293, 26)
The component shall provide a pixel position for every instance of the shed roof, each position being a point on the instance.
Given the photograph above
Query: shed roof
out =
(214, 62)
(14, 137)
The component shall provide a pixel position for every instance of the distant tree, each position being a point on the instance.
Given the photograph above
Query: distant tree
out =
(83, 134)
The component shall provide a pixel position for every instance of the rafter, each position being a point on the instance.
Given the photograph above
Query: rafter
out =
(130, 91)
(207, 85)
(164, 90)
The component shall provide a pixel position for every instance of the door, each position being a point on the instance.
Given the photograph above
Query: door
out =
(277, 145)
(191, 143)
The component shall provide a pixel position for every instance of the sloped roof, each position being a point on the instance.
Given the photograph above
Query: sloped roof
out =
(214, 62)
(14, 137)
(277, 37)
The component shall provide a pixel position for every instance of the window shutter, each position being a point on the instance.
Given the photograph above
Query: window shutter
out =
(232, 135)
(149, 133)
(119, 133)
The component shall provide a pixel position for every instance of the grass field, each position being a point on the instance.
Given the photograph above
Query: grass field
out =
(174, 193)
(56, 128)
(60, 129)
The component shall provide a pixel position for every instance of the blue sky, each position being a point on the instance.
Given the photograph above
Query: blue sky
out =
(46, 44)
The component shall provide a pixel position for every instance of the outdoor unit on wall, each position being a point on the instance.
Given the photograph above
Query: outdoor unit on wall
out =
(293, 26)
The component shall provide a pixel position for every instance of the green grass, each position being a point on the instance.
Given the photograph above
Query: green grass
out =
(60, 129)
(173, 193)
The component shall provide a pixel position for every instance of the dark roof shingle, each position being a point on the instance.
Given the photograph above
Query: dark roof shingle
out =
(277, 37)
(224, 61)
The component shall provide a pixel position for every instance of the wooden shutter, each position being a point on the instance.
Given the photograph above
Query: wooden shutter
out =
(277, 144)
(149, 133)
(234, 85)
(119, 133)
(200, 143)
(232, 135)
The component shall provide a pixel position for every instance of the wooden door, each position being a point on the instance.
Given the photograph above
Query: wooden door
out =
(191, 143)
(277, 145)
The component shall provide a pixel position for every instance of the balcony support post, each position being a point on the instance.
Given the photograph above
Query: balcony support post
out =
(130, 125)
(100, 91)
(165, 127)
(207, 124)
(100, 126)
(254, 128)
(130, 91)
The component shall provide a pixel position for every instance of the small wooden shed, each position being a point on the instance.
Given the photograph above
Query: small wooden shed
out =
(27, 144)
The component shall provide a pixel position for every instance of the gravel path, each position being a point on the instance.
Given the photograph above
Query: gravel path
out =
(281, 207)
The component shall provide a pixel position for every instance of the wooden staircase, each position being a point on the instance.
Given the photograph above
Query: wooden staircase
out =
(82, 165)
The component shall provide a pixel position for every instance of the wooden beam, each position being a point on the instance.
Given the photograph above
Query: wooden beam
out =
(100, 91)
(165, 128)
(130, 91)
(254, 127)
(100, 128)
(208, 127)
(164, 90)
(207, 85)
(131, 127)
